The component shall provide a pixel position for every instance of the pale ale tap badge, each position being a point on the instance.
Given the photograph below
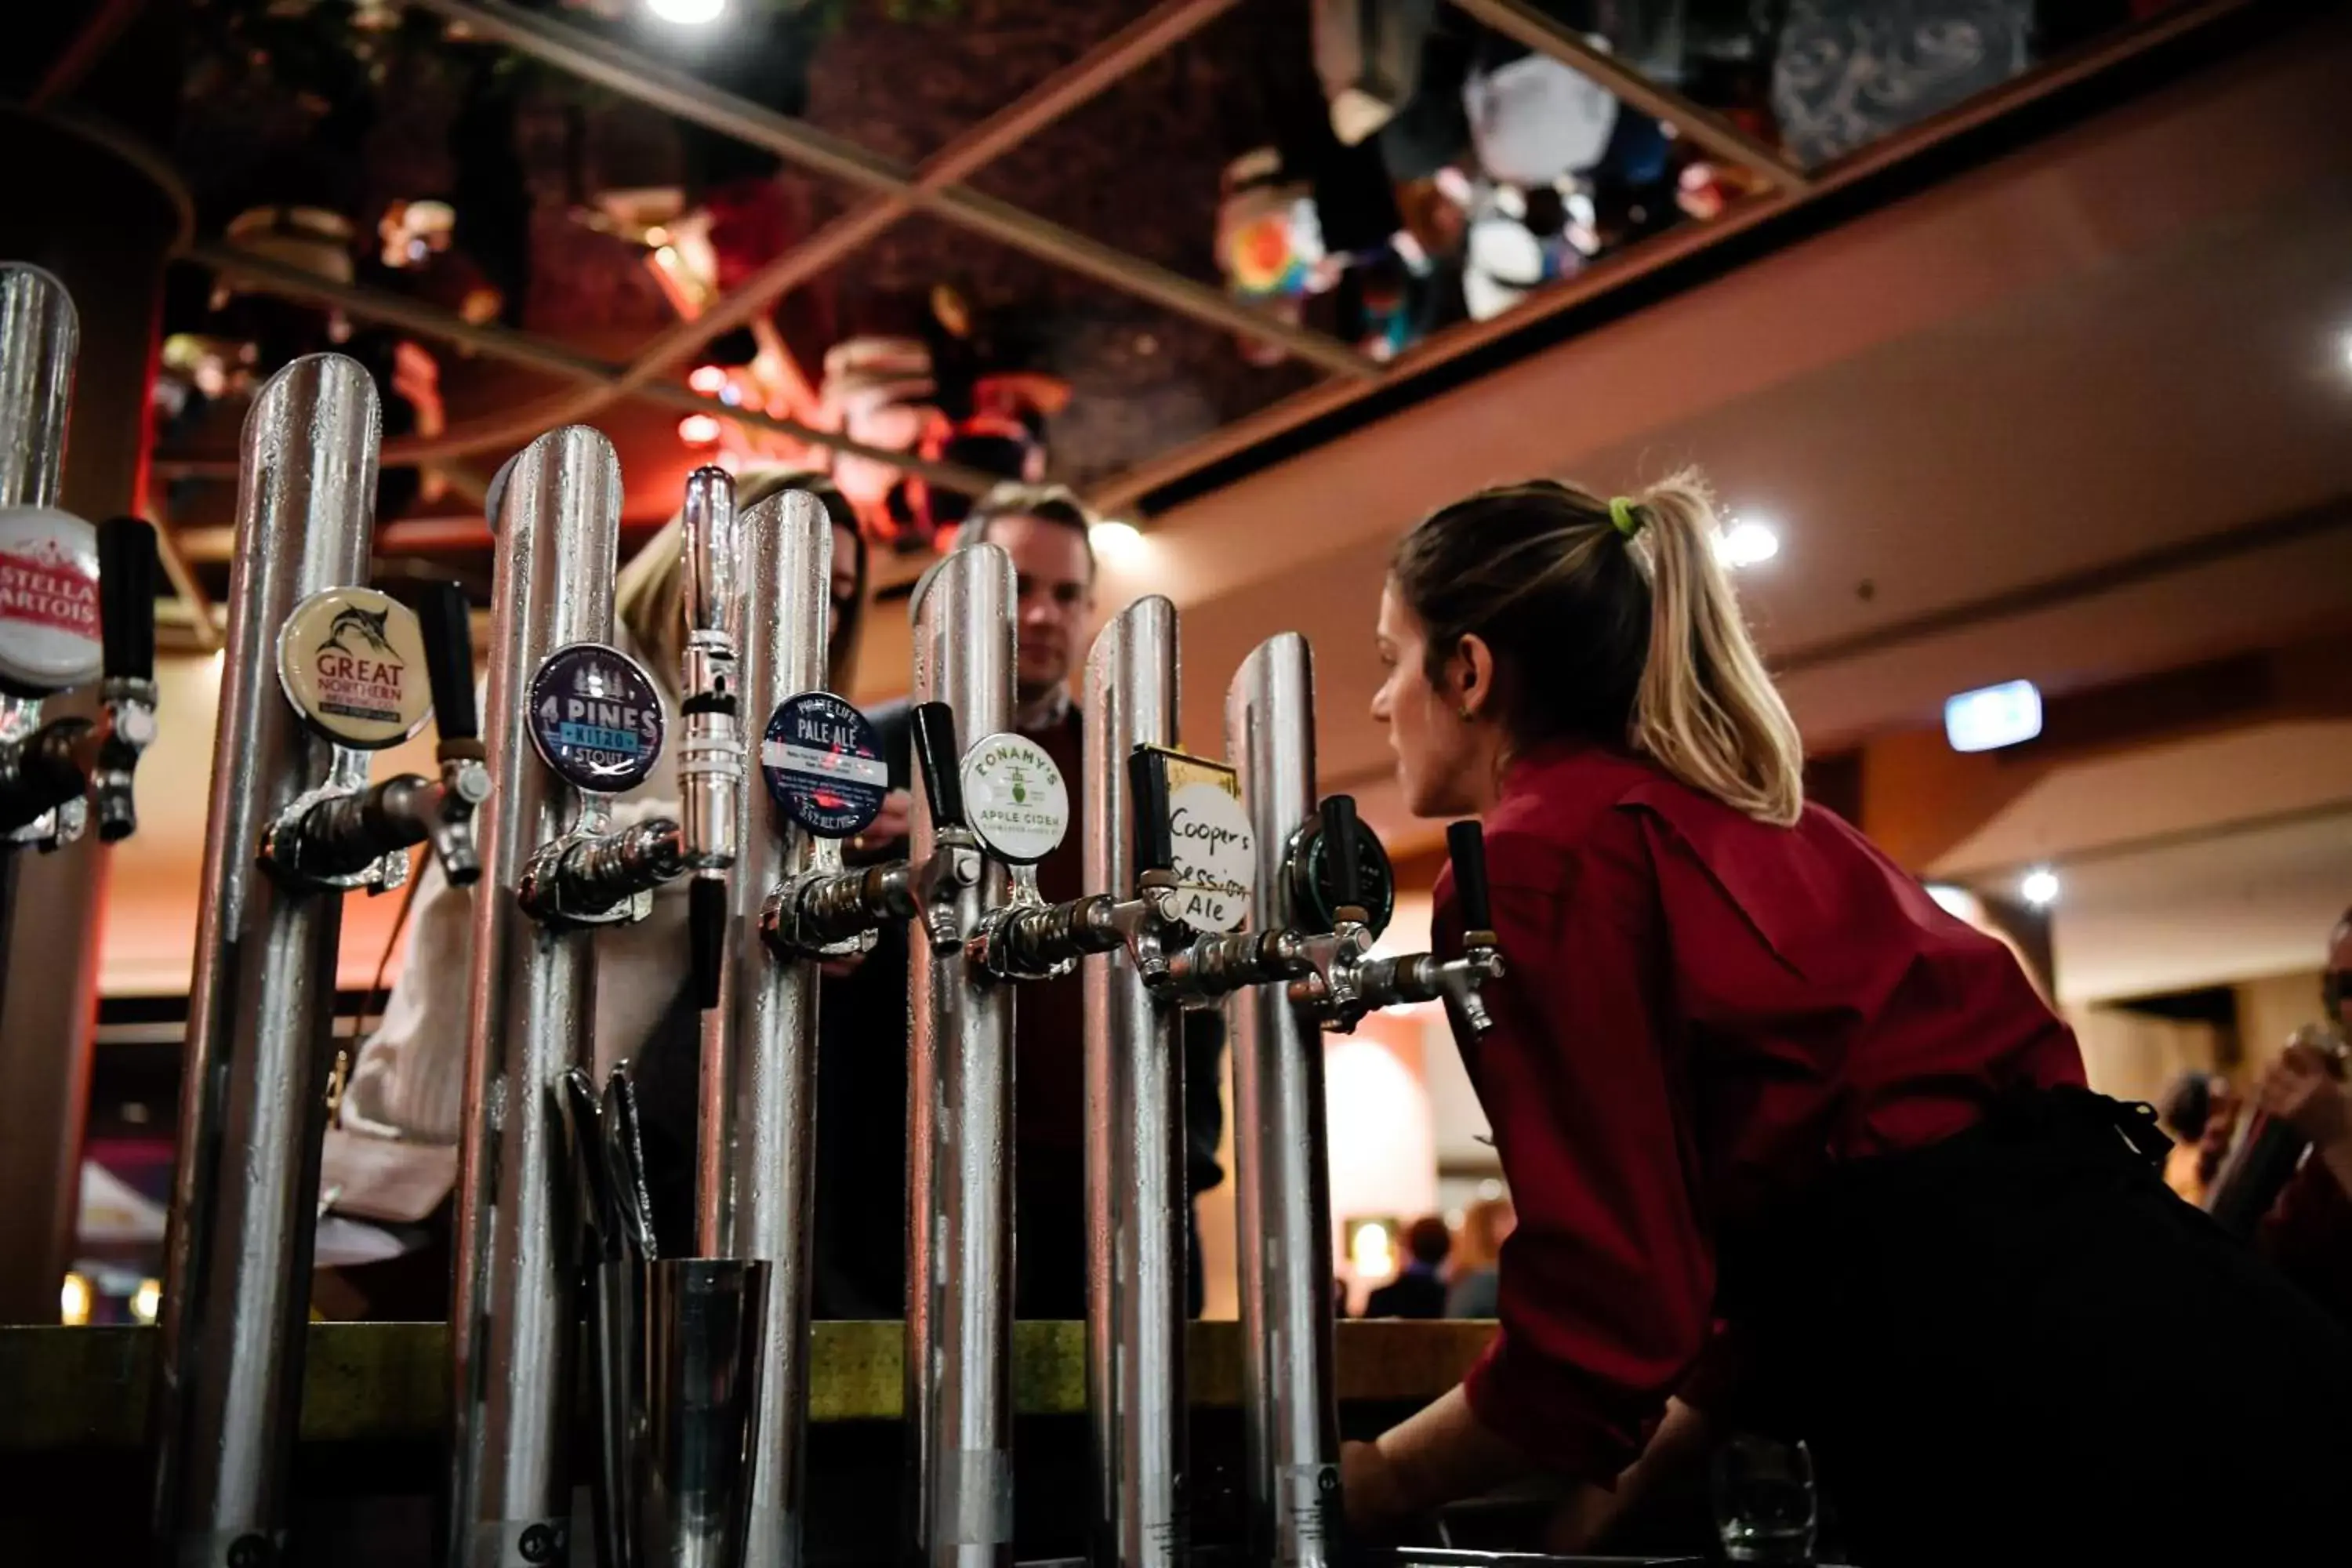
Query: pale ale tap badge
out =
(823, 763)
(595, 718)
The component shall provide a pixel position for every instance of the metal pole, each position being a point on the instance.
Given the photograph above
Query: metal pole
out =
(756, 1193)
(237, 1296)
(39, 338)
(513, 1321)
(959, 1119)
(1283, 1194)
(1136, 1234)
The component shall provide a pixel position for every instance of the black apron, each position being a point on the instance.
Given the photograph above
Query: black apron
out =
(2018, 1346)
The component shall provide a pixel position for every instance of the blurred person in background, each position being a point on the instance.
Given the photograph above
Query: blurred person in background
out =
(1477, 1259)
(1419, 1292)
(392, 1158)
(862, 1072)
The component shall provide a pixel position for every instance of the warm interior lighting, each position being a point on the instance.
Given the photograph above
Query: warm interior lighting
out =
(73, 1301)
(698, 429)
(1746, 544)
(1372, 1251)
(146, 1299)
(709, 380)
(1117, 543)
(2039, 888)
(687, 13)
(1957, 902)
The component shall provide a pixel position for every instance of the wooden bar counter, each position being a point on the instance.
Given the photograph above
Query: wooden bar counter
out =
(74, 1475)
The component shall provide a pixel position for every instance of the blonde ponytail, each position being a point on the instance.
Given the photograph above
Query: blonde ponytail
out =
(1705, 710)
(1614, 622)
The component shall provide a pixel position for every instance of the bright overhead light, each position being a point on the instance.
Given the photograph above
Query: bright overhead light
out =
(709, 380)
(1118, 542)
(698, 429)
(687, 13)
(1992, 717)
(2040, 887)
(1745, 545)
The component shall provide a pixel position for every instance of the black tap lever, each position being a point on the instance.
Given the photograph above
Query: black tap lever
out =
(1465, 847)
(935, 755)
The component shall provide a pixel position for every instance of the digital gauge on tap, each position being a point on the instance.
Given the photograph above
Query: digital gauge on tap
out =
(1314, 880)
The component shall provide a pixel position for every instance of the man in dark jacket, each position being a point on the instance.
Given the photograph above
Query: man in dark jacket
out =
(1418, 1293)
(861, 1067)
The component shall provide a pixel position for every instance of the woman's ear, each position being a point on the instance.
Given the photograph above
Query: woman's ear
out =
(1470, 673)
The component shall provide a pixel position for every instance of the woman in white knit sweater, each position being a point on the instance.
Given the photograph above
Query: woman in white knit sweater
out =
(395, 1156)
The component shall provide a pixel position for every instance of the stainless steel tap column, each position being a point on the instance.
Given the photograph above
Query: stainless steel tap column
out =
(959, 1401)
(514, 1320)
(39, 338)
(1136, 1198)
(1282, 1188)
(236, 1293)
(756, 1191)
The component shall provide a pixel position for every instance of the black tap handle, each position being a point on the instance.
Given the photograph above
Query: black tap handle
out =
(1465, 847)
(1147, 797)
(450, 660)
(1339, 845)
(705, 934)
(126, 597)
(935, 755)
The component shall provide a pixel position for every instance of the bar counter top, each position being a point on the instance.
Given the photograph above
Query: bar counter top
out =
(87, 1388)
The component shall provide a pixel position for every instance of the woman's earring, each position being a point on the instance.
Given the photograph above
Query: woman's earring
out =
(1466, 715)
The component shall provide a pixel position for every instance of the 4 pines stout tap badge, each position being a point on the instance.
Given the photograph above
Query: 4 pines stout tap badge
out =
(824, 765)
(1014, 798)
(595, 718)
(352, 662)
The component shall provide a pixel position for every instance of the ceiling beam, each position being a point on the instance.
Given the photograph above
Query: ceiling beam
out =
(518, 348)
(686, 96)
(1120, 492)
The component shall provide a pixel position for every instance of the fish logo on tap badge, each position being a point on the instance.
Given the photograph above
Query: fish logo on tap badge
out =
(352, 661)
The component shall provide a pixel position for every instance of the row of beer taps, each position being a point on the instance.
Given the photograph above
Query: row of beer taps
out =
(774, 772)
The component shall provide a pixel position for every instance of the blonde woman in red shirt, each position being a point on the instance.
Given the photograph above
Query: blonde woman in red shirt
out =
(1757, 1095)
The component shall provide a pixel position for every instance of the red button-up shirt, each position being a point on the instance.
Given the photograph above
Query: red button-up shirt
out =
(1703, 1013)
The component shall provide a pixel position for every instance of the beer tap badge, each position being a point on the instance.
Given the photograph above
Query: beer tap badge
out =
(595, 718)
(1014, 799)
(1215, 852)
(49, 600)
(824, 765)
(352, 661)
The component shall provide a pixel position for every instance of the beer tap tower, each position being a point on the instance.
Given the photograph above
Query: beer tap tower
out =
(74, 602)
(573, 721)
(319, 673)
(959, 1403)
(1307, 906)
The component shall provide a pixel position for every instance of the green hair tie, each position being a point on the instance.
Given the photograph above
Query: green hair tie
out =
(1627, 515)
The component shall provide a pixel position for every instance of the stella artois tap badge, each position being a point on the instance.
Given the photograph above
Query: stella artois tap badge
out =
(48, 601)
(1014, 799)
(352, 662)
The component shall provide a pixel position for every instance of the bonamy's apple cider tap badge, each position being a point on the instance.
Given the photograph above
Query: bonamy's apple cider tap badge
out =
(1014, 798)
(1215, 852)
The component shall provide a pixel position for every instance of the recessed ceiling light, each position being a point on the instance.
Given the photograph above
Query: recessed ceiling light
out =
(687, 13)
(2040, 887)
(698, 429)
(1746, 543)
